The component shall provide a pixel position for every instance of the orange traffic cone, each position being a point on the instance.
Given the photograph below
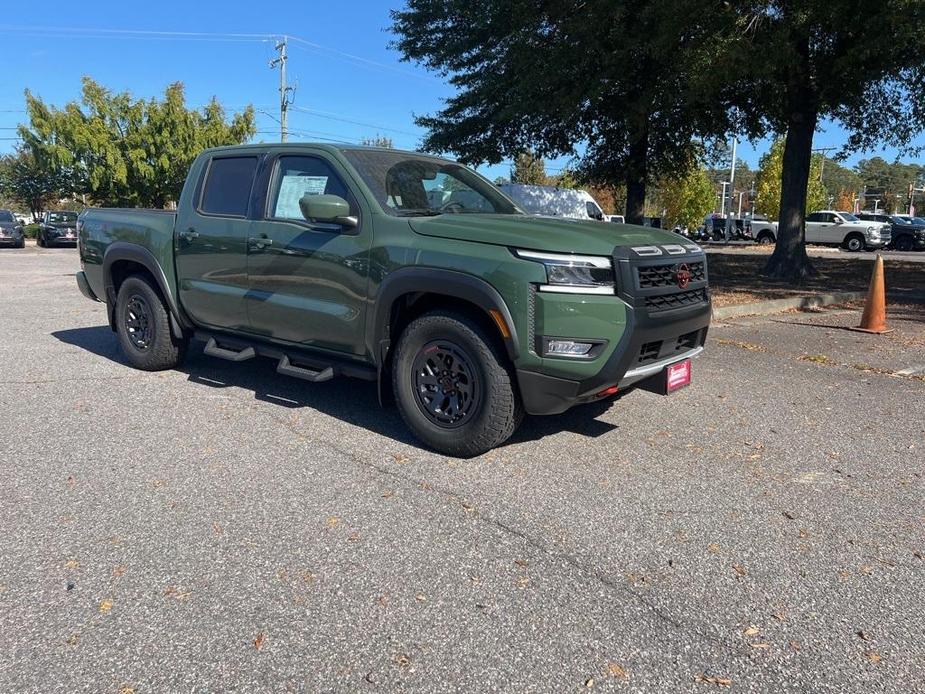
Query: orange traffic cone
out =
(874, 318)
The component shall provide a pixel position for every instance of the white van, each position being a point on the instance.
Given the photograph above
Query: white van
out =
(551, 201)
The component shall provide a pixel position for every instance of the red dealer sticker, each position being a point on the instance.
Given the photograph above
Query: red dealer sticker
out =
(678, 375)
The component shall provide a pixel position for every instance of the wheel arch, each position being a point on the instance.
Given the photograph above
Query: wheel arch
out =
(123, 259)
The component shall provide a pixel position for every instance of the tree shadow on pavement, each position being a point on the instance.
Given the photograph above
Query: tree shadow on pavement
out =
(350, 400)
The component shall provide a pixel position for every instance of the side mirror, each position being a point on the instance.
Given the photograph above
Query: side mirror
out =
(331, 209)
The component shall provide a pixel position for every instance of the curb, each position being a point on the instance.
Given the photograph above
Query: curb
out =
(761, 308)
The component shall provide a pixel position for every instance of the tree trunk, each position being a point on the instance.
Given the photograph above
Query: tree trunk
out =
(789, 260)
(636, 171)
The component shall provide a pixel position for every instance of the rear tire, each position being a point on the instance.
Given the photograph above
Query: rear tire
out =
(765, 239)
(143, 327)
(39, 241)
(855, 243)
(453, 385)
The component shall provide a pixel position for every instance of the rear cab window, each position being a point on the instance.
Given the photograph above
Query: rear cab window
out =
(227, 188)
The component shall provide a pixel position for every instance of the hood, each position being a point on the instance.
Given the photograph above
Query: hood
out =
(541, 233)
(8, 225)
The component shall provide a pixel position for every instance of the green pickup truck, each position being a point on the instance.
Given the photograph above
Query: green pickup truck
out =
(403, 269)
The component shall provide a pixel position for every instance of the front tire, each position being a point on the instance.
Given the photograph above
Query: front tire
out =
(453, 385)
(143, 327)
(855, 243)
(903, 243)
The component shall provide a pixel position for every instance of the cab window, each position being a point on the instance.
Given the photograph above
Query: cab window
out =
(297, 176)
(227, 189)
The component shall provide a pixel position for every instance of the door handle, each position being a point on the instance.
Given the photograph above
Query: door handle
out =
(189, 234)
(260, 242)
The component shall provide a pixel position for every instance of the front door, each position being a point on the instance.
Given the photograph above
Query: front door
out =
(211, 244)
(308, 279)
(818, 227)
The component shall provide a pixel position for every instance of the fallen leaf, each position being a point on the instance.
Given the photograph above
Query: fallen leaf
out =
(388, 494)
(259, 641)
(353, 537)
(157, 484)
(739, 569)
(521, 562)
(761, 645)
(309, 576)
(863, 634)
(751, 631)
(382, 601)
(710, 679)
(332, 521)
(713, 548)
(72, 639)
(866, 569)
(71, 481)
(616, 670)
(217, 529)
(788, 515)
(106, 605)
(127, 690)
(400, 458)
(523, 581)
(71, 564)
(794, 645)
(803, 533)
(467, 506)
(589, 682)
(420, 597)
(118, 571)
(174, 592)
(873, 656)
(403, 660)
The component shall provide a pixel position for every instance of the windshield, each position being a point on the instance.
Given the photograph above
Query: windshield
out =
(918, 220)
(848, 217)
(408, 185)
(62, 217)
(6, 216)
(900, 220)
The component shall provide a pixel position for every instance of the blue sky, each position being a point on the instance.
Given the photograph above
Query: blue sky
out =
(350, 84)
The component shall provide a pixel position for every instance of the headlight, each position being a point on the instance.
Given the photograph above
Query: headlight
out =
(576, 274)
(873, 231)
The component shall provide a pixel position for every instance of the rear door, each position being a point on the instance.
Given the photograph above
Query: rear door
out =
(817, 227)
(211, 243)
(308, 280)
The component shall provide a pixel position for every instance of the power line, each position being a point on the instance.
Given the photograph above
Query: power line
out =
(331, 116)
(307, 45)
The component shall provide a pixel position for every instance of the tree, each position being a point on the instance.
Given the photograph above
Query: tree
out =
(844, 201)
(788, 64)
(528, 169)
(378, 141)
(889, 181)
(620, 79)
(688, 198)
(125, 151)
(768, 190)
(31, 185)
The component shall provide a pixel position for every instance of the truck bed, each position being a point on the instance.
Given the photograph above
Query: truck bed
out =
(102, 227)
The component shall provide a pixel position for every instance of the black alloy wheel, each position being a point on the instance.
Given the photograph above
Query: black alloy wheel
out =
(448, 388)
(138, 324)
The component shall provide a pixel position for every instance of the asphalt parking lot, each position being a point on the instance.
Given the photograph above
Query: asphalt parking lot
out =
(223, 527)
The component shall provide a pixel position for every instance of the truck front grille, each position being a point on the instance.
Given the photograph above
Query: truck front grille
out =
(652, 276)
(666, 302)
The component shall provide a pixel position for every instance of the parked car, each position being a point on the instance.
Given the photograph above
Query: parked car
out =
(761, 229)
(715, 226)
(906, 235)
(11, 231)
(919, 221)
(617, 219)
(833, 228)
(330, 260)
(57, 228)
(550, 201)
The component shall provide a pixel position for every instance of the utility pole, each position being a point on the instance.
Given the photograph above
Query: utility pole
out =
(285, 91)
(822, 165)
(912, 191)
(732, 178)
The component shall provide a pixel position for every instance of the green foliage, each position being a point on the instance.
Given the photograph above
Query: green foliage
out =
(28, 183)
(378, 141)
(768, 183)
(529, 169)
(687, 198)
(624, 78)
(128, 152)
(889, 181)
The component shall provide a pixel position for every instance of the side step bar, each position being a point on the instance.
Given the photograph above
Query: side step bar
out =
(307, 365)
(286, 368)
(213, 350)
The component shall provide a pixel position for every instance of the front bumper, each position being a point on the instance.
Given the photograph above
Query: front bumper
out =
(9, 240)
(662, 326)
(61, 240)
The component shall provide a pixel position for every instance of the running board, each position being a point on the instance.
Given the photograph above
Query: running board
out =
(287, 368)
(213, 350)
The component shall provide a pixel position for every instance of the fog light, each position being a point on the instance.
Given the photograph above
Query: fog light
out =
(568, 348)
(607, 391)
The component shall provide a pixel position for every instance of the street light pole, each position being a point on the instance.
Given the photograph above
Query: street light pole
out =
(284, 89)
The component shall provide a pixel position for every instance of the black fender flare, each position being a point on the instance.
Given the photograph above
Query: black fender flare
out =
(121, 250)
(450, 283)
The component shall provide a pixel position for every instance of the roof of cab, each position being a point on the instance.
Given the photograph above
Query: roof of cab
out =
(324, 146)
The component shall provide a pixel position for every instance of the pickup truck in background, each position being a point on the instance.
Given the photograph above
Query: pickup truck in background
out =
(831, 228)
(403, 269)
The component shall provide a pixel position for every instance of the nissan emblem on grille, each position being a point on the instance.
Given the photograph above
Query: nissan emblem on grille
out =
(682, 275)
